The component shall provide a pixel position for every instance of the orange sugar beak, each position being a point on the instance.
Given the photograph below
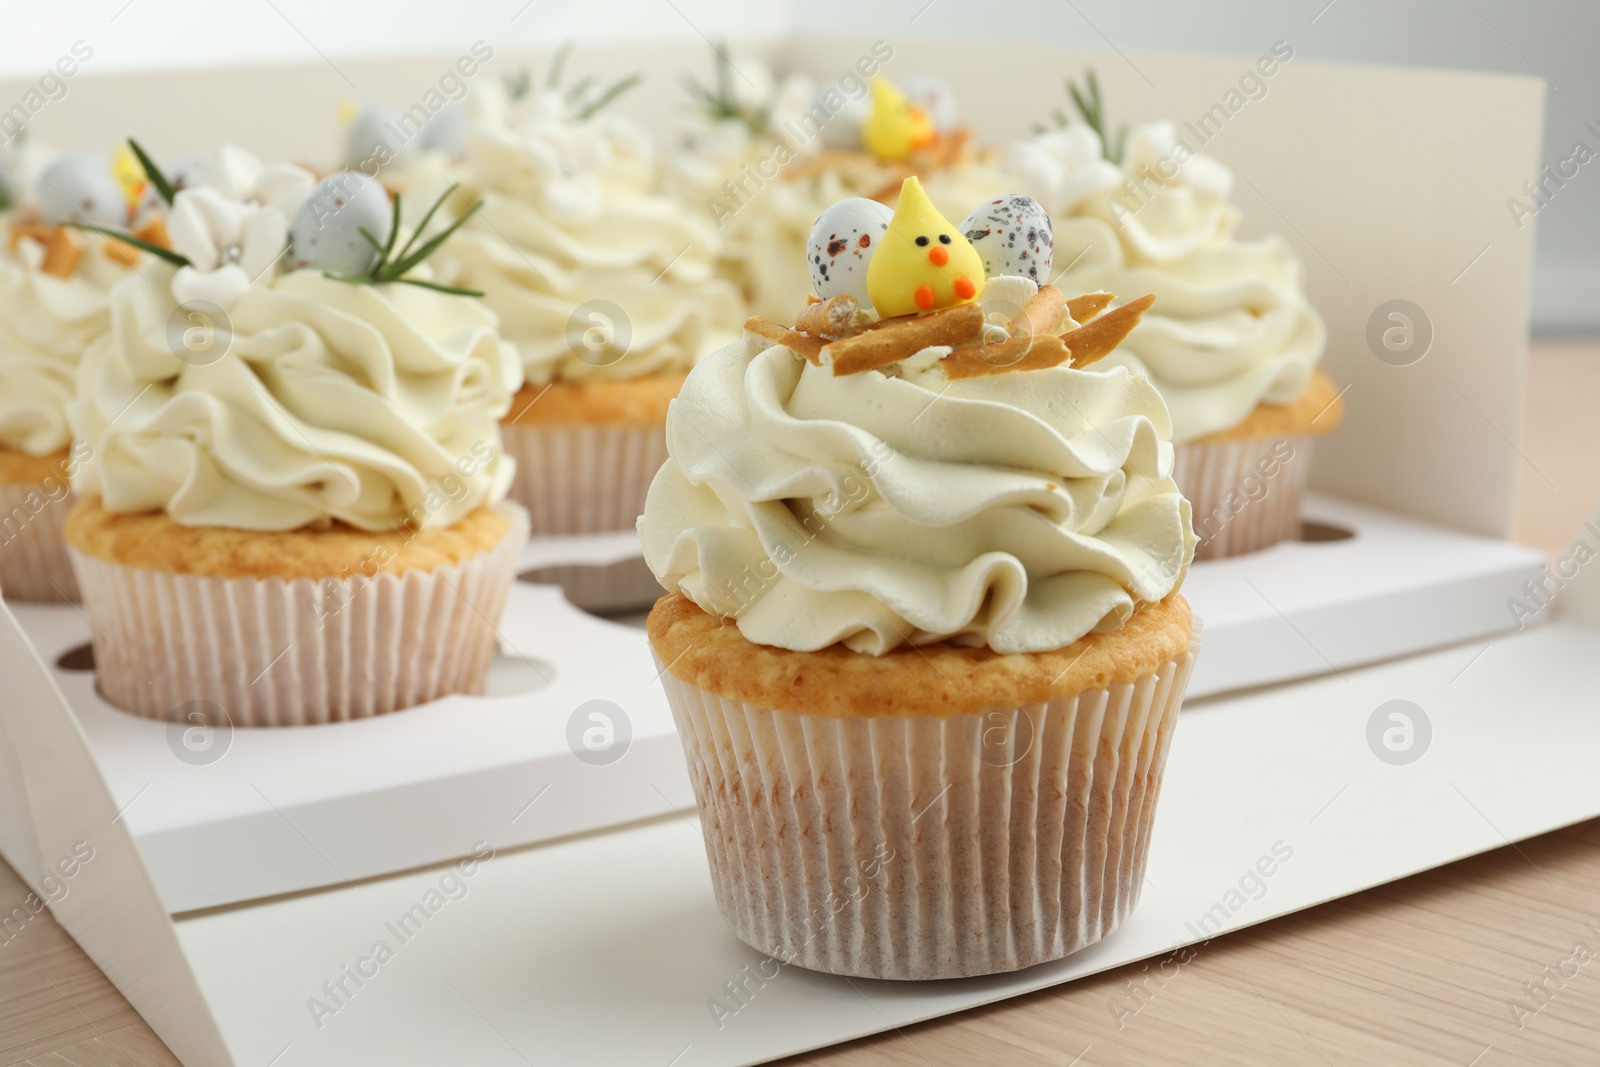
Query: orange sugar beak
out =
(938, 256)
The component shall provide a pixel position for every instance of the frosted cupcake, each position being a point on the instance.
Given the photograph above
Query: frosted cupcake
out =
(860, 138)
(54, 301)
(1233, 343)
(292, 510)
(922, 638)
(605, 288)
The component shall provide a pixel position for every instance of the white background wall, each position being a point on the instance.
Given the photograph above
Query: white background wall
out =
(1552, 39)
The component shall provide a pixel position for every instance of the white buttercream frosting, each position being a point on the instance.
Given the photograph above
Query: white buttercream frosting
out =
(1019, 511)
(567, 221)
(1231, 327)
(371, 405)
(46, 322)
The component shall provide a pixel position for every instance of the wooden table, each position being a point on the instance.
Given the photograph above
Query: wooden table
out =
(1443, 968)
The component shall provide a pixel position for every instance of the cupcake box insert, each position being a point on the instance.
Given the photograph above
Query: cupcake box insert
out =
(1427, 577)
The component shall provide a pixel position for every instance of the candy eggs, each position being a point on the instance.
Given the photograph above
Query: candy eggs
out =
(925, 263)
(1013, 236)
(379, 138)
(447, 132)
(79, 187)
(842, 244)
(326, 231)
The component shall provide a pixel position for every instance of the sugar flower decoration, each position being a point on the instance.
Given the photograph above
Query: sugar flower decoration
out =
(233, 228)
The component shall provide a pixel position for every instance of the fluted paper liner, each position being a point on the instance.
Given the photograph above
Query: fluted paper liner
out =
(34, 564)
(919, 847)
(269, 652)
(577, 479)
(1237, 507)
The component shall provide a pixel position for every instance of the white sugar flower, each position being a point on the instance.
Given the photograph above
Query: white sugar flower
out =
(233, 227)
(1063, 167)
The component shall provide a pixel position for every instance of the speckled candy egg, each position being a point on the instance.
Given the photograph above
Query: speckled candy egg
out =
(379, 139)
(447, 132)
(841, 245)
(1013, 235)
(326, 231)
(78, 187)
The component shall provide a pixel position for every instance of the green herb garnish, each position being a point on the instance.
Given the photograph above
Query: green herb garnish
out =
(163, 186)
(722, 102)
(576, 96)
(557, 63)
(124, 236)
(518, 83)
(610, 93)
(391, 267)
(1092, 110)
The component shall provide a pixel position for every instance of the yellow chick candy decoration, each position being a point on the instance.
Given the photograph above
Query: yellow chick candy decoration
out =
(923, 263)
(128, 173)
(896, 127)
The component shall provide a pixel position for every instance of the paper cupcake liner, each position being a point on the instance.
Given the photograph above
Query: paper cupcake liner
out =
(583, 479)
(930, 847)
(34, 564)
(269, 652)
(588, 479)
(1246, 494)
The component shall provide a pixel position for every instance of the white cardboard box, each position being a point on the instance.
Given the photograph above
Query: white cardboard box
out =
(605, 946)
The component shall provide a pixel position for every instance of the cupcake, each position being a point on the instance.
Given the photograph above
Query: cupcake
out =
(55, 283)
(292, 510)
(607, 291)
(1233, 343)
(861, 137)
(922, 636)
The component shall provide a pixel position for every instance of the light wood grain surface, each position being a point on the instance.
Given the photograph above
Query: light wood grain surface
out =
(1477, 963)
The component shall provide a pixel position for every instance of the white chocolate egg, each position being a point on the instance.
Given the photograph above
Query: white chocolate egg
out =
(447, 132)
(1013, 235)
(78, 187)
(841, 245)
(381, 138)
(326, 231)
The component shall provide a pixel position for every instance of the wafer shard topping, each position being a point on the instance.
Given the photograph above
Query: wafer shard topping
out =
(925, 278)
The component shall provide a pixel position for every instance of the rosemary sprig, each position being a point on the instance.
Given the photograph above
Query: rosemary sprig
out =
(576, 96)
(10, 197)
(176, 259)
(1092, 109)
(722, 102)
(163, 186)
(391, 267)
(557, 62)
(611, 92)
(575, 92)
(519, 83)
